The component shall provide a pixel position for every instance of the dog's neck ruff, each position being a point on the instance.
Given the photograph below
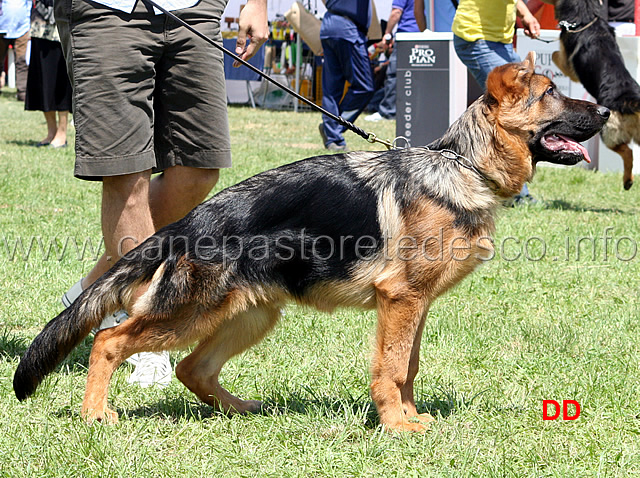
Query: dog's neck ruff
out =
(574, 27)
(468, 164)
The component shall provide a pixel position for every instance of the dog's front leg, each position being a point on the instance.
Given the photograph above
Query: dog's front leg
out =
(395, 361)
(406, 391)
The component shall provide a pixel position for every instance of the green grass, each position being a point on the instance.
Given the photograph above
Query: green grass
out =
(558, 325)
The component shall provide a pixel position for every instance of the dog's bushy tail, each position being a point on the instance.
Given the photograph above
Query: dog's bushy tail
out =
(62, 334)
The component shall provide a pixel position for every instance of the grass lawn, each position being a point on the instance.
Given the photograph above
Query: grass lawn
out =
(555, 315)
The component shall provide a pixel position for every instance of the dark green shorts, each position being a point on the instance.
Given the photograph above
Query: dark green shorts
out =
(148, 94)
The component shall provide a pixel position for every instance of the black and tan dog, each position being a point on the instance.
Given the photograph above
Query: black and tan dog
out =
(388, 231)
(589, 54)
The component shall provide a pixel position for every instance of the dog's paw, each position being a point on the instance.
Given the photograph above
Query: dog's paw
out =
(106, 416)
(244, 407)
(417, 424)
(424, 418)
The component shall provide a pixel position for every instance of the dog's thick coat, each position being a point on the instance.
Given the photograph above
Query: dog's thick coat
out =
(589, 54)
(390, 231)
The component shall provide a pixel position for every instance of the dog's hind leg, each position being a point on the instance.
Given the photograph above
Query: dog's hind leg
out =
(395, 360)
(110, 349)
(627, 159)
(140, 333)
(199, 371)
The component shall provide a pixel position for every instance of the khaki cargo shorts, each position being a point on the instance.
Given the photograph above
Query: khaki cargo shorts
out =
(148, 94)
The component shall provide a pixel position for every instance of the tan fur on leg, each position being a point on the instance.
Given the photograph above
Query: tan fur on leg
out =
(399, 321)
(102, 364)
(562, 62)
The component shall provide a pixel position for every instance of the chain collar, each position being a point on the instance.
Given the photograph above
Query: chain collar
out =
(467, 164)
(573, 27)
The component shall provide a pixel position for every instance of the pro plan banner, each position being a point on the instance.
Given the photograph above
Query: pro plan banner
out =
(422, 99)
(429, 55)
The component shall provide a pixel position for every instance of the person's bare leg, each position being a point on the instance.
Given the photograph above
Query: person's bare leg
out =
(126, 219)
(60, 133)
(50, 117)
(177, 191)
(169, 196)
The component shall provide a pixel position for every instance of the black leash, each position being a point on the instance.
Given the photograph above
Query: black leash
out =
(370, 137)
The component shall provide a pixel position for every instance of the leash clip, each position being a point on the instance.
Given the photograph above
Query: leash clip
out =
(372, 138)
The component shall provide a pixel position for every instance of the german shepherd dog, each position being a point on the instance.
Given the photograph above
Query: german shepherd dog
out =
(589, 54)
(388, 231)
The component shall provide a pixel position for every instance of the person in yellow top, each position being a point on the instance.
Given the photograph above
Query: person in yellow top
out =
(483, 33)
(483, 39)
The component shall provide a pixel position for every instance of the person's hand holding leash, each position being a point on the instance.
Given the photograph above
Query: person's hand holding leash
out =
(252, 26)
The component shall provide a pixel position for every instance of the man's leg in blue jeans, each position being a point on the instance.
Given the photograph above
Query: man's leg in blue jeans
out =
(387, 108)
(481, 56)
(344, 61)
(361, 88)
(333, 80)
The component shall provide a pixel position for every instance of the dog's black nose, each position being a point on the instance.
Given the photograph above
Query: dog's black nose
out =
(604, 111)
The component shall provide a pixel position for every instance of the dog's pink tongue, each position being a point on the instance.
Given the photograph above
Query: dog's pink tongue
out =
(577, 147)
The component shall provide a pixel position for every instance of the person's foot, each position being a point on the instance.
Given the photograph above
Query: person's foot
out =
(336, 147)
(59, 140)
(323, 135)
(44, 142)
(523, 199)
(327, 144)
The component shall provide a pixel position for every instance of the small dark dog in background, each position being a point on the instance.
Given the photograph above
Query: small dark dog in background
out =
(589, 54)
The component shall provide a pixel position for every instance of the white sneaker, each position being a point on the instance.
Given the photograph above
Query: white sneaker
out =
(151, 369)
(374, 117)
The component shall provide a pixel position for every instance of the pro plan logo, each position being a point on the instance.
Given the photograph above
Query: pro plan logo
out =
(551, 410)
(422, 55)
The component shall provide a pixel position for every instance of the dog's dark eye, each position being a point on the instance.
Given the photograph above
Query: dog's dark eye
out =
(549, 91)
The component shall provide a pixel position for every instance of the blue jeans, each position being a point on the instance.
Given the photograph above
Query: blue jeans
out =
(387, 107)
(482, 56)
(344, 61)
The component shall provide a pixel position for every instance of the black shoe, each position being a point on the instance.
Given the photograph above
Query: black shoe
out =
(524, 199)
(325, 141)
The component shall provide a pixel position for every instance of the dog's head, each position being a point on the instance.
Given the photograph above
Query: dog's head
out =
(530, 108)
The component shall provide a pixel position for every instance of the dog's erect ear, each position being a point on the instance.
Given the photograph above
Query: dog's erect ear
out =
(509, 80)
(529, 62)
